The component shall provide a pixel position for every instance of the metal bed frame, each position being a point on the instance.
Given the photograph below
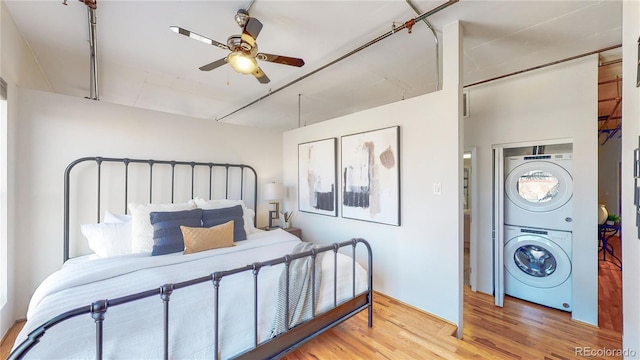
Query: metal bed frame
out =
(192, 165)
(276, 347)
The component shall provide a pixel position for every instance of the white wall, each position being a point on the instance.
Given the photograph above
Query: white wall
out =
(418, 262)
(551, 103)
(18, 65)
(55, 129)
(17, 68)
(630, 132)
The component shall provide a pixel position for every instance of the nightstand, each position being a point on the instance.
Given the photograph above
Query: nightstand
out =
(294, 231)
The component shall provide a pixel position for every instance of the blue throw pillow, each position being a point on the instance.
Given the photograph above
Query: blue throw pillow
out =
(215, 217)
(167, 236)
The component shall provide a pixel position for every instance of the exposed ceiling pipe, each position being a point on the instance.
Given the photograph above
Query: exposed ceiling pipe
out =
(407, 25)
(435, 36)
(93, 73)
(611, 62)
(543, 65)
(299, 109)
(92, 5)
(250, 5)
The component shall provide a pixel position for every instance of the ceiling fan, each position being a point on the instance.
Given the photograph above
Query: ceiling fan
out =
(243, 48)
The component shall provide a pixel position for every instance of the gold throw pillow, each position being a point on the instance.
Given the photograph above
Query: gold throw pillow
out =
(198, 239)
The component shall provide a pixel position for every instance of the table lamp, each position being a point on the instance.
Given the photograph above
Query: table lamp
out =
(273, 193)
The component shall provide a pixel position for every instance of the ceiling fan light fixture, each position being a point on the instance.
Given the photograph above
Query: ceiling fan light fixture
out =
(244, 55)
(242, 63)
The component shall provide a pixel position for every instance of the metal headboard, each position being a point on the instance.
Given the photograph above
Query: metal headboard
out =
(151, 163)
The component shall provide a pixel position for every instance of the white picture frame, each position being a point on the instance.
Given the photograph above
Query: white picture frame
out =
(317, 180)
(370, 172)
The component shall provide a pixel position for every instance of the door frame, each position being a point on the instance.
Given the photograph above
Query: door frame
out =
(498, 225)
(473, 211)
(498, 209)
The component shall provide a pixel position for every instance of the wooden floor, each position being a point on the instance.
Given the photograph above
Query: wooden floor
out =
(519, 330)
(7, 342)
(610, 290)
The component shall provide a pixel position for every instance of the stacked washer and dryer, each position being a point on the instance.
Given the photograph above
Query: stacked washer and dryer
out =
(538, 229)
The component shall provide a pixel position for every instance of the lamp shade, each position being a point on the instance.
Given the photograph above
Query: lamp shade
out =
(242, 63)
(273, 191)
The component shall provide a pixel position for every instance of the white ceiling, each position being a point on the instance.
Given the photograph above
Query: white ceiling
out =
(144, 64)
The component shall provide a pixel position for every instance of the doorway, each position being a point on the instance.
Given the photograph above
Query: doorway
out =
(470, 209)
(609, 160)
(467, 217)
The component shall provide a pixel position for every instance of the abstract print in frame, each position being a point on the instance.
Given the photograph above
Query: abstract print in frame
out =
(317, 177)
(371, 176)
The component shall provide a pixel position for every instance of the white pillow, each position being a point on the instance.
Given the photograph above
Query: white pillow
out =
(142, 230)
(110, 217)
(247, 214)
(108, 239)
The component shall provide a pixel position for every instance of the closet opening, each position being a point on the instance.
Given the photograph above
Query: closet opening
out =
(609, 189)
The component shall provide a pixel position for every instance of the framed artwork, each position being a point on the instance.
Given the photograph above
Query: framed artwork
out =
(371, 176)
(317, 177)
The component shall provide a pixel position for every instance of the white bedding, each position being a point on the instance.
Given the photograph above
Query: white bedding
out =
(134, 331)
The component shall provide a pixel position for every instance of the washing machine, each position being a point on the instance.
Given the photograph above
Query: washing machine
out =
(538, 266)
(539, 191)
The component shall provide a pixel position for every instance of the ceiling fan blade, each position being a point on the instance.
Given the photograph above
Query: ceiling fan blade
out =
(252, 27)
(214, 64)
(261, 76)
(285, 60)
(198, 37)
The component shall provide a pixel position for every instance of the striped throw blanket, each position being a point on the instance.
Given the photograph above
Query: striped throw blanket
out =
(300, 288)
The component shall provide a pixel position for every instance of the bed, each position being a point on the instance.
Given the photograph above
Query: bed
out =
(259, 296)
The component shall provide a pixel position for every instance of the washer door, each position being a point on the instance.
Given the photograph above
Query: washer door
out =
(536, 261)
(539, 186)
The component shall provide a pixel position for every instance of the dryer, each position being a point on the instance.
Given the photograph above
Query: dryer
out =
(539, 191)
(538, 266)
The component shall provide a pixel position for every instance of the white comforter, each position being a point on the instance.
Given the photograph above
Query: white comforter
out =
(134, 331)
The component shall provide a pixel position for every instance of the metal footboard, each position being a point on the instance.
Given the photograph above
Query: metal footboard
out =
(274, 347)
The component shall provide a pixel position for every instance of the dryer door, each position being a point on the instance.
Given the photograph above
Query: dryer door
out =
(539, 186)
(536, 261)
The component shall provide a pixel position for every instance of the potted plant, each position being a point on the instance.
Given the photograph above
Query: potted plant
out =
(286, 218)
(613, 219)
